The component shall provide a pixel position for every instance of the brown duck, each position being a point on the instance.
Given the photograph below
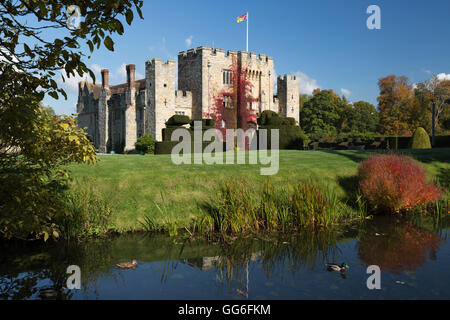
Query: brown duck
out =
(127, 265)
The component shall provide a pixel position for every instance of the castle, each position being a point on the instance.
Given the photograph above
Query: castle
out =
(115, 116)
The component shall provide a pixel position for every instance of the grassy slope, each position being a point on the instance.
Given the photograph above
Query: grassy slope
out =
(133, 183)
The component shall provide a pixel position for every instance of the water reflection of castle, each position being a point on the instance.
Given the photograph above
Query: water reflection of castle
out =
(208, 263)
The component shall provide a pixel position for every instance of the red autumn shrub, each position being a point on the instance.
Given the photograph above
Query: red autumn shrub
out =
(393, 183)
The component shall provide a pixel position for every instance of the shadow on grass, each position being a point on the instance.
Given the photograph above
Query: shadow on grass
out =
(356, 156)
(422, 155)
(443, 178)
(351, 187)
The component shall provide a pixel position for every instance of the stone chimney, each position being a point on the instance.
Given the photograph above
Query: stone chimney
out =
(131, 68)
(81, 85)
(105, 78)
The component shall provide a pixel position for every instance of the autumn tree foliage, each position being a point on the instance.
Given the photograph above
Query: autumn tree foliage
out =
(394, 183)
(231, 106)
(396, 97)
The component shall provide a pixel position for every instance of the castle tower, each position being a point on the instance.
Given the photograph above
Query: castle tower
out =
(130, 109)
(103, 113)
(160, 84)
(289, 96)
(206, 72)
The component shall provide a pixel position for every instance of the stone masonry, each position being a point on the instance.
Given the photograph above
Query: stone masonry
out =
(115, 116)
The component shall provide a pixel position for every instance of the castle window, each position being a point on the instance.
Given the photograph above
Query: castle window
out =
(165, 85)
(180, 113)
(227, 77)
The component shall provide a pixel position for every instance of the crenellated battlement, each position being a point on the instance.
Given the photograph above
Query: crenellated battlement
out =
(151, 64)
(205, 50)
(255, 57)
(183, 94)
(287, 77)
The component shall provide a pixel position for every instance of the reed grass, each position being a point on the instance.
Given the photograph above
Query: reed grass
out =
(88, 213)
(236, 210)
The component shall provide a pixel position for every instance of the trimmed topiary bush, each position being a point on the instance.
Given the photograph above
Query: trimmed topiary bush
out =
(206, 123)
(266, 118)
(420, 139)
(178, 120)
(145, 144)
(395, 183)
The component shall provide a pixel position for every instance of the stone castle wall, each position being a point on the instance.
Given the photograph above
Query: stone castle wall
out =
(288, 96)
(160, 77)
(115, 116)
(201, 71)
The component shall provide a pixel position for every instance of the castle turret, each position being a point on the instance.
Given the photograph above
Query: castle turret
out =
(130, 109)
(103, 114)
(160, 78)
(289, 96)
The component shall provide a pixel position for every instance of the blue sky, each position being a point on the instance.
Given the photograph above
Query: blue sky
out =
(325, 42)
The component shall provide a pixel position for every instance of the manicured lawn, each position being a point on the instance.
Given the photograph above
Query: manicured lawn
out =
(132, 184)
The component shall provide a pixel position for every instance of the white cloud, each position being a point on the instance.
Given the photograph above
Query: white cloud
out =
(189, 41)
(121, 72)
(307, 84)
(443, 76)
(96, 68)
(346, 92)
(70, 85)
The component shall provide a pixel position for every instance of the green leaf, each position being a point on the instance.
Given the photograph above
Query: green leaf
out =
(109, 44)
(129, 16)
(53, 94)
(91, 46)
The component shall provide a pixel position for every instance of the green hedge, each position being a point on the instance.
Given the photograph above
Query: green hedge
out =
(291, 137)
(441, 142)
(166, 147)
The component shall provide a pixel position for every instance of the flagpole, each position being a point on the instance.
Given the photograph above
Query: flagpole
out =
(247, 32)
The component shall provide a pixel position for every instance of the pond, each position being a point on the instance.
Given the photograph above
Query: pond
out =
(413, 255)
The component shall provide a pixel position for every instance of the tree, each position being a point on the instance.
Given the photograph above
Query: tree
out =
(35, 52)
(31, 178)
(439, 91)
(145, 144)
(322, 113)
(33, 142)
(362, 117)
(395, 99)
(303, 99)
(420, 111)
